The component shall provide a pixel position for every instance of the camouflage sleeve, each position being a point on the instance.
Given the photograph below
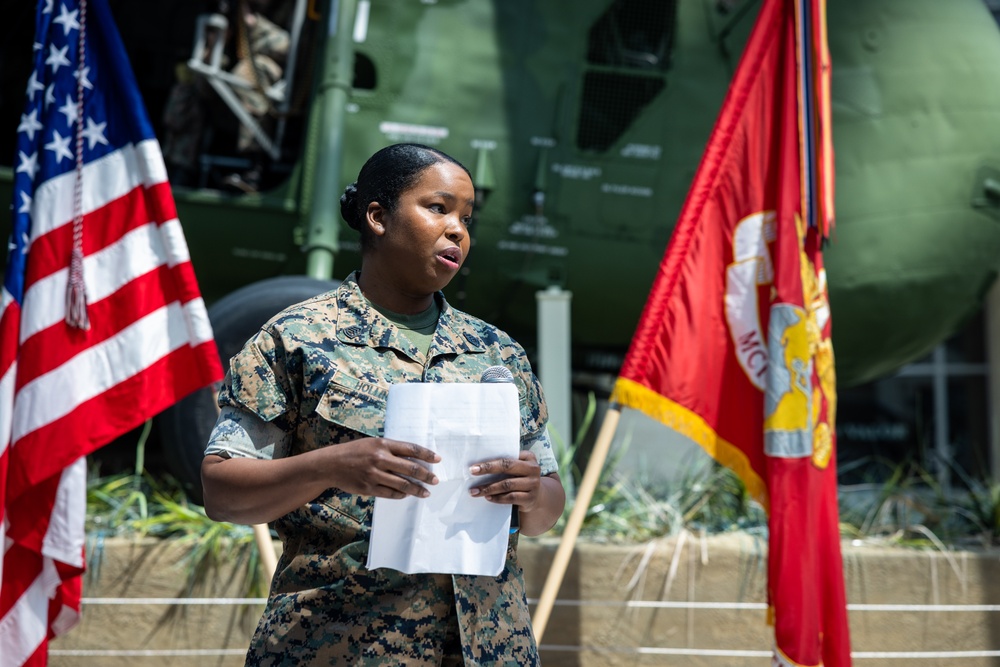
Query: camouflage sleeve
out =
(239, 433)
(260, 382)
(541, 447)
(534, 416)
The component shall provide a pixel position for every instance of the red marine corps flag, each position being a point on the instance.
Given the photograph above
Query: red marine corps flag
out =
(733, 348)
(102, 324)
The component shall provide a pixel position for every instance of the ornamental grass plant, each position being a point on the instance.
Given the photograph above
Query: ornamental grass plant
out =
(908, 509)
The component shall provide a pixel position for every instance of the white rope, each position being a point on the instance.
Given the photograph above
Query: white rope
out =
(642, 650)
(637, 604)
(659, 604)
(923, 655)
(760, 606)
(147, 653)
(177, 601)
(722, 653)
(923, 607)
(705, 652)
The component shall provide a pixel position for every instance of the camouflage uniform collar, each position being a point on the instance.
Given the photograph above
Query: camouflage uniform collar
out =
(456, 333)
(359, 324)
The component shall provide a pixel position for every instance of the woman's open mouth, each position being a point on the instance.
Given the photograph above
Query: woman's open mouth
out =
(451, 257)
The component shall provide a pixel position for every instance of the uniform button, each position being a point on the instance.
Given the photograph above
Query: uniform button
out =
(352, 331)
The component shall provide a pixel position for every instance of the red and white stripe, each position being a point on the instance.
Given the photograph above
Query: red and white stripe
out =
(65, 392)
(41, 591)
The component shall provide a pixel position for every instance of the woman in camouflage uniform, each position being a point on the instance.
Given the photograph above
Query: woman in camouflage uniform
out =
(299, 440)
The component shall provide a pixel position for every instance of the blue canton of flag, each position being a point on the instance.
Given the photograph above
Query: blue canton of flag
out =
(102, 324)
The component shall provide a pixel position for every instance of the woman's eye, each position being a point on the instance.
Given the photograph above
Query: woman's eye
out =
(467, 220)
(437, 208)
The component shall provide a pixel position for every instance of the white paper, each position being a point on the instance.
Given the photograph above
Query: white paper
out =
(450, 531)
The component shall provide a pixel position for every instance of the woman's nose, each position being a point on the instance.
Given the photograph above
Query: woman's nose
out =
(456, 228)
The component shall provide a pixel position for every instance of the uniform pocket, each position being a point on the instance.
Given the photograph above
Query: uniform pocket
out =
(348, 409)
(351, 513)
(354, 404)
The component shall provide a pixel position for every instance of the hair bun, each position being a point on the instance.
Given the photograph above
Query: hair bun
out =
(349, 206)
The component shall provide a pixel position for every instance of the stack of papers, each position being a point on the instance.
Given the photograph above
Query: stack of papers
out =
(449, 532)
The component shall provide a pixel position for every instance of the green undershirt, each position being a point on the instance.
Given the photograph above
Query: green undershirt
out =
(418, 330)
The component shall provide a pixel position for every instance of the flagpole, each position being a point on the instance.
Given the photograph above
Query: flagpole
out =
(265, 545)
(580, 506)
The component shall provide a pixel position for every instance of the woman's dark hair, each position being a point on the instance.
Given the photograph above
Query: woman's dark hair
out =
(385, 176)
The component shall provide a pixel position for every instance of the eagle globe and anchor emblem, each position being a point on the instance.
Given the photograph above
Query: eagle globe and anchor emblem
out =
(792, 364)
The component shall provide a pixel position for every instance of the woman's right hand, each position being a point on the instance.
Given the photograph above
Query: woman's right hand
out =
(245, 490)
(381, 467)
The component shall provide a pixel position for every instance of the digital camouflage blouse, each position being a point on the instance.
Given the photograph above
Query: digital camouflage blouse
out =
(320, 372)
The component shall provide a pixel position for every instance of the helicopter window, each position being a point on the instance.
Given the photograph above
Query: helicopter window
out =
(634, 33)
(628, 52)
(610, 103)
(364, 73)
(236, 118)
(233, 101)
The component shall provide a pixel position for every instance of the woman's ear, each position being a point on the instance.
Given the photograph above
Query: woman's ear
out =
(375, 218)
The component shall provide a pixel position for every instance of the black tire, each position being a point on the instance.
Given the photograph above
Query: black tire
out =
(184, 427)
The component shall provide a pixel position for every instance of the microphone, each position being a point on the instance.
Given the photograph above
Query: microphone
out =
(497, 374)
(494, 375)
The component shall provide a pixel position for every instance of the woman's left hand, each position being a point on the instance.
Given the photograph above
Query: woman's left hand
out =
(521, 483)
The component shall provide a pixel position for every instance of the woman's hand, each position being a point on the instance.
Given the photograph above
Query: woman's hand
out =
(383, 468)
(245, 490)
(540, 499)
(520, 486)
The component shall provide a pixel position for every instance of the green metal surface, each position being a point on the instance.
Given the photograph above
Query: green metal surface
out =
(334, 90)
(589, 144)
(916, 92)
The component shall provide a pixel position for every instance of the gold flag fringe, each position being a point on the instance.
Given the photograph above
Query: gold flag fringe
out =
(634, 395)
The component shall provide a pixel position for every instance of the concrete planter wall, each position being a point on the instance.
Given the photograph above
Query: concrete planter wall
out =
(610, 609)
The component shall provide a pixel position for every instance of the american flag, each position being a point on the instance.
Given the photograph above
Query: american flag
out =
(91, 348)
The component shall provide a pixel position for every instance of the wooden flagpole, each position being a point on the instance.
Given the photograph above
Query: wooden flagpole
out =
(265, 545)
(580, 506)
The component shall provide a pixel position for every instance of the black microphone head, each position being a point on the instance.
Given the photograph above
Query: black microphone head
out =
(497, 374)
